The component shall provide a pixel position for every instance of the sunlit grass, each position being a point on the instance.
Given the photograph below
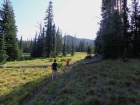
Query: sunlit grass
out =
(17, 84)
(47, 61)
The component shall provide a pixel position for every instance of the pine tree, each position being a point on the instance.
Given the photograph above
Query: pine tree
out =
(64, 46)
(3, 55)
(54, 42)
(39, 46)
(40, 42)
(9, 30)
(43, 42)
(58, 42)
(20, 47)
(98, 43)
(73, 46)
(49, 30)
(68, 45)
(81, 46)
(89, 50)
(135, 28)
(111, 38)
(34, 47)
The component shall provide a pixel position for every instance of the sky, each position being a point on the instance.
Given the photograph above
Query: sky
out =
(78, 18)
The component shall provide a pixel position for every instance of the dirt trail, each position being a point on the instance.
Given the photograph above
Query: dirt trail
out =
(39, 91)
(65, 81)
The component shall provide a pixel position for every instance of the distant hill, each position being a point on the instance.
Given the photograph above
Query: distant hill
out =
(69, 37)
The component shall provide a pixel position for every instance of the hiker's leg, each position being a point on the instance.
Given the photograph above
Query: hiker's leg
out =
(66, 66)
(52, 74)
(56, 74)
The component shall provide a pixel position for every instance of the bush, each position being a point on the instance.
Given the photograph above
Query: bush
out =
(60, 64)
(63, 59)
(51, 59)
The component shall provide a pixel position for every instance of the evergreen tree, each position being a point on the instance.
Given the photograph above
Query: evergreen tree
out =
(124, 13)
(68, 45)
(81, 46)
(111, 40)
(39, 46)
(135, 28)
(20, 47)
(34, 47)
(3, 55)
(98, 43)
(73, 46)
(64, 46)
(49, 29)
(40, 41)
(43, 43)
(27, 46)
(89, 50)
(58, 42)
(9, 30)
(54, 42)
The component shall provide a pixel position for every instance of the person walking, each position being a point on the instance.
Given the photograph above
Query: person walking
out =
(54, 69)
(67, 63)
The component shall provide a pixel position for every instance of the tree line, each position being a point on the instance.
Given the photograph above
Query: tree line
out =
(48, 42)
(119, 33)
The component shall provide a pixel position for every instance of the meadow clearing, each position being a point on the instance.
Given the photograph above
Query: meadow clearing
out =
(16, 84)
(107, 82)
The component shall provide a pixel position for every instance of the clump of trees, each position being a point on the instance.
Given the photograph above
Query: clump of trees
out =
(119, 33)
(50, 43)
(9, 50)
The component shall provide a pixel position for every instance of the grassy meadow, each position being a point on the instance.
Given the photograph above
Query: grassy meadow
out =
(107, 82)
(17, 84)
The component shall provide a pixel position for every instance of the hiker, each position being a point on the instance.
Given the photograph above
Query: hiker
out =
(54, 69)
(67, 62)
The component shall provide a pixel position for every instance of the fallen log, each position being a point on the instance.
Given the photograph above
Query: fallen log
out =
(32, 66)
(94, 59)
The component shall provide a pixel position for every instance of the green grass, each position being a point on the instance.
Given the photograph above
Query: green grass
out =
(107, 82)
(16, 85)
(47, 61)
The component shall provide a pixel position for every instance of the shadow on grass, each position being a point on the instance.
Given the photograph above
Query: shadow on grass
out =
(20, 94)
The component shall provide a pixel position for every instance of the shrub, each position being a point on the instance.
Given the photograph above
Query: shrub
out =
(60, 64)
(51, 59)
(63, 59)
(57, 59)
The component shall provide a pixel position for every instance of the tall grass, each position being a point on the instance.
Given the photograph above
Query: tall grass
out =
(108, 82)
(16, 85)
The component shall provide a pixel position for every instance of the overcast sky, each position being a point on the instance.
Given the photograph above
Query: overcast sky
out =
(74, 17)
